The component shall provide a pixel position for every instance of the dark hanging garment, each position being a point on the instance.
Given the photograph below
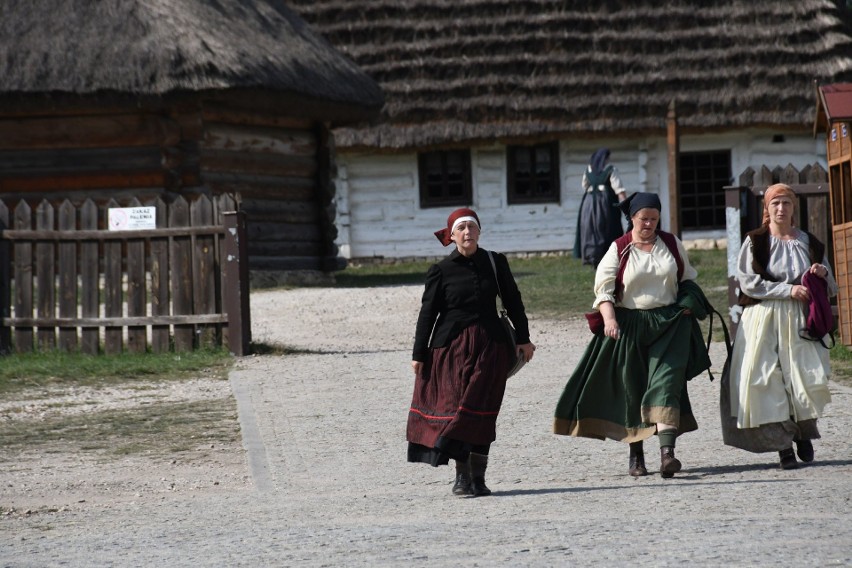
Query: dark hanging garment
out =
(599, 220)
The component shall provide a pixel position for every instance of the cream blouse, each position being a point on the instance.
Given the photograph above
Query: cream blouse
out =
(788, 261)
(650, 278)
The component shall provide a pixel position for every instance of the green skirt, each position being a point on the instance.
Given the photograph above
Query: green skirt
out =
(622, 388)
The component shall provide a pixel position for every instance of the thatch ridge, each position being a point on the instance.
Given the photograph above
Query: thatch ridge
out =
(454, 70)
(154, 47)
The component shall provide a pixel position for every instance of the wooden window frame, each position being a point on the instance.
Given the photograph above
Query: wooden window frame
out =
(552, 177)
(690, 180)
(446, 197)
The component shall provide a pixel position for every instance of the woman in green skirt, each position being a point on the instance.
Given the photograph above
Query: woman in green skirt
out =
(631, 382)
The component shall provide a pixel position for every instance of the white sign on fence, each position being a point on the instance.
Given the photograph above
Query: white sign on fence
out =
(132, 218)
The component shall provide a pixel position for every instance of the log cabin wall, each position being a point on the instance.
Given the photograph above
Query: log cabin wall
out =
(94, 153)
(113, 100)
(274, 164)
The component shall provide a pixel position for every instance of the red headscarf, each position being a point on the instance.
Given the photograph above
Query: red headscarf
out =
(456, 217)
(774, 191)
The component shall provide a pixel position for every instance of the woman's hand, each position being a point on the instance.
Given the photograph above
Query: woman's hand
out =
(800, 293)
(818, 270)
(416, 365)
(611, 328)
(526, 350)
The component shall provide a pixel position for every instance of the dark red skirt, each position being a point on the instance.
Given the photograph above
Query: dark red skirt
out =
(457, 398)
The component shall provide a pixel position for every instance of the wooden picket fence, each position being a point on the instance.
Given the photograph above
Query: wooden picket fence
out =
(78, 286)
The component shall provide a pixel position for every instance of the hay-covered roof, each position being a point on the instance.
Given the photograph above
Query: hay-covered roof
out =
(461, 70)
(156, 47)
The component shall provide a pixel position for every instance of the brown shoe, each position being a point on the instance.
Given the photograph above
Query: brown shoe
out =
(637, 466)
(669, 464)
(788, 459)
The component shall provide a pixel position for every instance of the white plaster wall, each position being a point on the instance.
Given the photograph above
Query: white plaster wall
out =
(379, 215)
(515, 228)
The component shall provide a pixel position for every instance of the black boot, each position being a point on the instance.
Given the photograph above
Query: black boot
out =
(637, 460)
(478, 463)
(788, 459)
(669, 464)
(805, 449)
(462, 484)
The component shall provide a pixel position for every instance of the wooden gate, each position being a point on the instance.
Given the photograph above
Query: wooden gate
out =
(78, 286)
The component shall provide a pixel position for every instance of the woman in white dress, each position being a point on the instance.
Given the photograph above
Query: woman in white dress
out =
(778, 381)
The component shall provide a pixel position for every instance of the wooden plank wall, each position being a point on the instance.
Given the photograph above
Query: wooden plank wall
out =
(839, 152)
(78, 287)
(272, 164)
(73, 156)
(275, 167)
(843, 275)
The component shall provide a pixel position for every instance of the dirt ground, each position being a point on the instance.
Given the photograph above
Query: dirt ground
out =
(319, 476)
(76, 471)
(63, 474)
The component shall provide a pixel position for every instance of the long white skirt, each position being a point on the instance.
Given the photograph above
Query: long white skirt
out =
(776, 376)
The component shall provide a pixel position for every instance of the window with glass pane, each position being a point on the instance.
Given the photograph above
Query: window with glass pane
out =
(533, 174)
(703, 177)
(444, 178)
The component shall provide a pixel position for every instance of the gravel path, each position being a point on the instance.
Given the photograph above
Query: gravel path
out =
(324, 480)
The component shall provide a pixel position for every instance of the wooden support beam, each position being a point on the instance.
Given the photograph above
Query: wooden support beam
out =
(673, 142)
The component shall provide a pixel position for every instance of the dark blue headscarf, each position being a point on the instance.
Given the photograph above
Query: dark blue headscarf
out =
(640, 200)
(598, 161)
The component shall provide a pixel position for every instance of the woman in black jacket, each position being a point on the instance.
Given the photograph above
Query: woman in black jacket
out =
(461, 355)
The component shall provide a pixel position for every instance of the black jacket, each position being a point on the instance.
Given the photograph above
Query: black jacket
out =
(460, 291)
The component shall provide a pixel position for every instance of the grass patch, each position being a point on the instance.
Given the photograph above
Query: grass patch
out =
(157, 428)
(372, 275)
(562, 287)
(552, 286)
(22, 371)
(841, 364)
(278, 349)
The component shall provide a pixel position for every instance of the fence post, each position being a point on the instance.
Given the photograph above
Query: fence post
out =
(734, 217)
(5, 282)
(236, 288)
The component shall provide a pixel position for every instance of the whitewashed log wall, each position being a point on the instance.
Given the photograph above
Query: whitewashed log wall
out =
(378, 211)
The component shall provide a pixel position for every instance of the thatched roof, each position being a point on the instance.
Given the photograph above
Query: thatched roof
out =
(462, 70)
(156, 47)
